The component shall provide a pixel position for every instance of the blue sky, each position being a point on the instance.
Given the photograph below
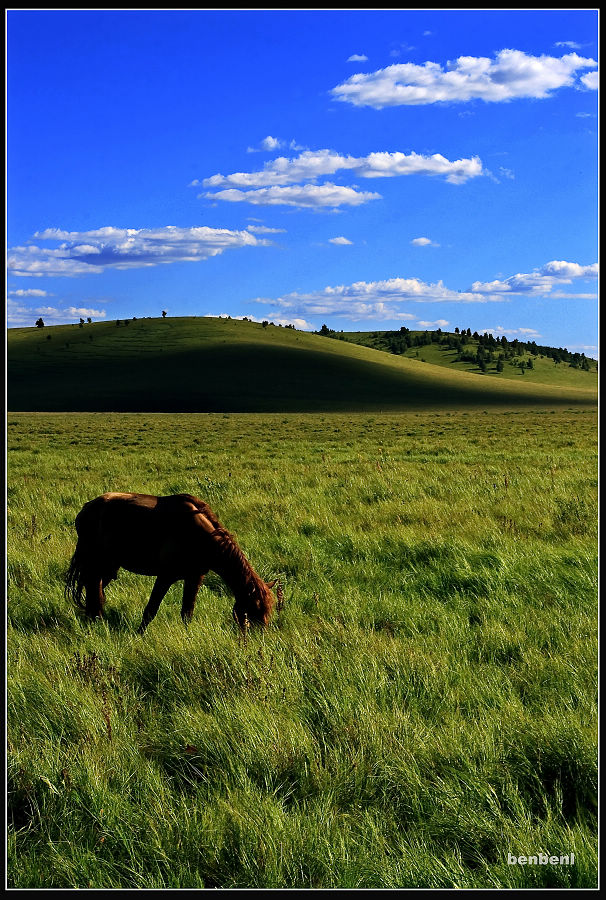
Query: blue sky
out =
(363, 169)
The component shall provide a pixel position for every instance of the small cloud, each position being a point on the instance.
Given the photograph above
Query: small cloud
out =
(339, 240)
(506, 173)
(20, 315)
(75, 311)
(401, 48)
(440, 323)
(357, 57)
(427, 33)
(30, 292)
(563, 295)
(268, 144)
(591, 347)
(423, 242)
(590, 81)
(263, 229)
(572, 45)
(299, 323)
(310, 196)
(499, 331)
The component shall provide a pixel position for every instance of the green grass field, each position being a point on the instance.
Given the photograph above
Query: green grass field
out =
(423, 705)
(225, 365)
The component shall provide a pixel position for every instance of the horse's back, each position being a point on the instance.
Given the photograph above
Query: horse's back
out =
(128, 509)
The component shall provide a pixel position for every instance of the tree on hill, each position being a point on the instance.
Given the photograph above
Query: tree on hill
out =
(163, 313)
(40, 322)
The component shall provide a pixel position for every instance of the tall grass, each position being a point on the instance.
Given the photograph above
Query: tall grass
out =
(423, 705)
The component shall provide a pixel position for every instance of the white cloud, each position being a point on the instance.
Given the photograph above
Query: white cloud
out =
(510, 74)
(263, 229)
(20, 315)
(311, 196)
(313, 164)
(123, 248)
(506, 173)
(84, 312)
(357, 57)
(402, 48)
(540, 281)
(572, 45)
(590, 80)
(563, 295)
(30, 292)
(423, 242)
(499, 331)
(339, 240)
(270, 143)
(568, 270)
(39, 261)
(439, 323)
(383, 299)
(370, 300)
(300, 324)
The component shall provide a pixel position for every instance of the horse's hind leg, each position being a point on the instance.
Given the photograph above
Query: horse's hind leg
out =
(161, 586)
(95, 598)
(108, 576)
(191, 586)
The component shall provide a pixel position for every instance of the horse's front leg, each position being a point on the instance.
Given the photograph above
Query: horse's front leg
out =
(191, 586)
(161, 586)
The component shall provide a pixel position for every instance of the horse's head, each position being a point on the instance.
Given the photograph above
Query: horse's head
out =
(257, 606)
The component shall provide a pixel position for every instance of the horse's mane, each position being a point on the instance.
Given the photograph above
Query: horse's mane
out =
(234, 560)
(232, 565)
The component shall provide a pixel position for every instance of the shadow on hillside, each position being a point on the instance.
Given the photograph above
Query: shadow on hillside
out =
(251, 378)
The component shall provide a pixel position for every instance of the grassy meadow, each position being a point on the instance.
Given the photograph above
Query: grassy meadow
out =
(423, 704)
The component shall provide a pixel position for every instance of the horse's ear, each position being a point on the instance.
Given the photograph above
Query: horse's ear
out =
(270, 584)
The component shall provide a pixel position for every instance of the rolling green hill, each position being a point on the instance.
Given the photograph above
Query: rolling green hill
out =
(228, 365)
(548, 365)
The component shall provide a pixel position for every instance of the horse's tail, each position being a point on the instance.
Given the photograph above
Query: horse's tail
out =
(79, 567)
(74, 580)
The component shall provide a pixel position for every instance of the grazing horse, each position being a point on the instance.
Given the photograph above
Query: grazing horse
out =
(175, 537)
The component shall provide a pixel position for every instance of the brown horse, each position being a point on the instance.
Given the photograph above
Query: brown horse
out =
(176, 537)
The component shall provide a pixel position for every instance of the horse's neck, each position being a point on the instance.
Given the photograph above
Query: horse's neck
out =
(233, 567)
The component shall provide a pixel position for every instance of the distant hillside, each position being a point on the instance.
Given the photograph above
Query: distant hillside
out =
(229, 365)
(483, 354)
